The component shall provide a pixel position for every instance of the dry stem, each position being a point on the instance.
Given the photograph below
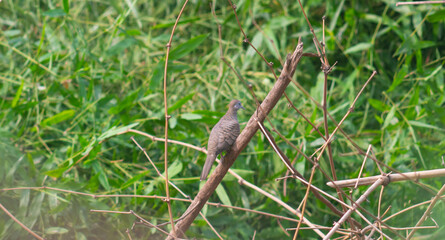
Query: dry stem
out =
(19, 223)
(395, 177)
(167, 117)
(379, 182)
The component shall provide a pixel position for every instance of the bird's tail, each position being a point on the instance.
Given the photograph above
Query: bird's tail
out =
(207, 166)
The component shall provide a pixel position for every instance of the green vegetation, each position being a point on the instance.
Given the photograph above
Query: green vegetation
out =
(74, 74)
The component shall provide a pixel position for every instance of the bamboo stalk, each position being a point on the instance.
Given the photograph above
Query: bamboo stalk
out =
(395, 177)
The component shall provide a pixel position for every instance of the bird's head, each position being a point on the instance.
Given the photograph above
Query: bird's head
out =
(236, 105)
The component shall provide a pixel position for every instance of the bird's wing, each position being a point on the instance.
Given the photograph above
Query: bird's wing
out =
(229, 132)
(214, 137)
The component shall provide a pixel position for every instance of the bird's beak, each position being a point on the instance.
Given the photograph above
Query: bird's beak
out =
(242, 107)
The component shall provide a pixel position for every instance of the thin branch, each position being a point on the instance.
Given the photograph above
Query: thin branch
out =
(268, 38)
(19, 223)
(349, 198)
(326, 68)
(297, 174)
(286, 161)
(151, 197)
(379, 182)
(156, 169)
(270, 138)
(363, 165)
(305, 201)
(167, 117)
(375, 228)
(347, 114)
(409, 208)
(241, 181)
(317, 189)
(428, 211)
(149, 223)
(177, 188)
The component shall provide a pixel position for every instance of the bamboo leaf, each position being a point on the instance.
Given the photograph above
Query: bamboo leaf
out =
(185, 48)
(357, 48)
(60, 117)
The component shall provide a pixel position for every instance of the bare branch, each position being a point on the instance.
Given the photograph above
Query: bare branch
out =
(167, 117)
(19, 223)
(428, 211)
(379, 182)
(395, 177)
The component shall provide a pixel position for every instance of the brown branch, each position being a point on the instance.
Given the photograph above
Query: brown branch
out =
(246, 40)
(298, 175)
(173, 185)
(346, 115)
(19, 223)
(95, 196)
(378, 221)
(379, 182)
(275, 147)
(319, 191)
(409, 208)
(167, 117)
(326, 71)
(265, 35)
(305, 201)
(326, 68)
(242, 181)
(246, 135)
(353, 143)
(167, 190)
(350, 199)
(428, 211)
(131, 212)
(268, 135)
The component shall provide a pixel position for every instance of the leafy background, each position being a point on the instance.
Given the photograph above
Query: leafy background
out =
(72, 72)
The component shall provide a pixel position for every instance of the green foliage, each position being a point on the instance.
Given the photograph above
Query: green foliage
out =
(76, 75)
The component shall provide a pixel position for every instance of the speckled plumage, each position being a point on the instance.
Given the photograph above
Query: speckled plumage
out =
(222, 136)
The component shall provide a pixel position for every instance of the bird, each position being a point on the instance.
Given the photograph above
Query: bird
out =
(222, 136)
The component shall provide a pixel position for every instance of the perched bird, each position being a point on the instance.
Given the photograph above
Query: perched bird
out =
(222, 136)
